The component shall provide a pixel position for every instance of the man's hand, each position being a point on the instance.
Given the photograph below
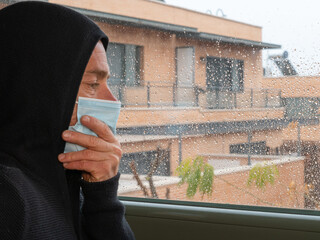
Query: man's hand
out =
(100, 161)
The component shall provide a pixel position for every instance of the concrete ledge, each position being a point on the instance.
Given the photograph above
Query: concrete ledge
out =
(128, 184)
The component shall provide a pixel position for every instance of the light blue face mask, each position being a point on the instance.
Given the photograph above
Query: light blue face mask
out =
(104, 110)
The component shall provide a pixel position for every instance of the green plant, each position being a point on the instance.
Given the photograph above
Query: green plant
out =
(262, 175)
(197, 174)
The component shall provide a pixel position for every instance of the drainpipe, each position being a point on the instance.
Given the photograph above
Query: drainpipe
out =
(299, 140)
(249, 146)
(180, 148)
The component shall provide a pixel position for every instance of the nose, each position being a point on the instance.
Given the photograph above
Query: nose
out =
(106, 94)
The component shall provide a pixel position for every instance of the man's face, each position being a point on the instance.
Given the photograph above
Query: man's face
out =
(94, 80)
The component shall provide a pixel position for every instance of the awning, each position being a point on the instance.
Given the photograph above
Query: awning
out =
(131, 21)
(231, 40)
(179, 30)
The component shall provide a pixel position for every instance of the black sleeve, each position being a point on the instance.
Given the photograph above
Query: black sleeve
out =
(103, 213)
(11, 211)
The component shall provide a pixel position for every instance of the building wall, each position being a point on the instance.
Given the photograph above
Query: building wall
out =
(295, 86)
(307, 133)
(192, 146)
(219, 143)
(155, 11)
(159, 54)
(130, 117)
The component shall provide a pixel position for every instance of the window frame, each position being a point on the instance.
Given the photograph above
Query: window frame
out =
(232, 215)
(162, 219)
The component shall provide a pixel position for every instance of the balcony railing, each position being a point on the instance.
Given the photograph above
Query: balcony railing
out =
(160, 94)
(249, 98)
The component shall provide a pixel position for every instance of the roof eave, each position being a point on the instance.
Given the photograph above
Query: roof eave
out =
(231, 40)
(131, 21)
(181, 31)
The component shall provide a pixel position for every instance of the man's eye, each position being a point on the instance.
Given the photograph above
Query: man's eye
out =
(94, 85)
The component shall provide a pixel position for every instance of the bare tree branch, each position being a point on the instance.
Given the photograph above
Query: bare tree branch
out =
(167, 193)
(154, 165)
(160, 156)
(136, 176)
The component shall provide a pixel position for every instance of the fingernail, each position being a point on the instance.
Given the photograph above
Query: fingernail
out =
(61, 157)
(65, 164)
(66, 134)
(86, 119)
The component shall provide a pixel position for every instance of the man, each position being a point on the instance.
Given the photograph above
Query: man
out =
(50, 56)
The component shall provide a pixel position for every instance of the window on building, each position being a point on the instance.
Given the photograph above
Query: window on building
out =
(225, 74)
(125, 64)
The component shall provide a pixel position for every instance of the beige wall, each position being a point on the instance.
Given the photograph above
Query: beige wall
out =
(295, 86)
(193, 146)
(159, 54)
(156, 11)
(219, 143)
(130, 117)
(307, 133)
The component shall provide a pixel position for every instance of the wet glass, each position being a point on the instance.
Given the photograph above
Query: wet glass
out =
(220, 104)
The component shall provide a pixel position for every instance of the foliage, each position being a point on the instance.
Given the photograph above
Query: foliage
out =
(262, 175)
(197, 174)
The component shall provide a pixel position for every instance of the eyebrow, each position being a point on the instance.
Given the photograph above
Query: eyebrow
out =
(100, 73)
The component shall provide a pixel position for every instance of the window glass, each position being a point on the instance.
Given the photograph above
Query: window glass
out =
(224, 74)
(220, 102)
(124, 63)
(116, 60)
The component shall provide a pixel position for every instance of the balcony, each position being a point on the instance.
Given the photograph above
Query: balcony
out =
(165, 94)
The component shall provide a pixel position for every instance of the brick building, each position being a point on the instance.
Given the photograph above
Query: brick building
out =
(192, 84)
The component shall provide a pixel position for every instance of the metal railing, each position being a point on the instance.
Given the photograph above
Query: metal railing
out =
(249, 98)
(159, 94)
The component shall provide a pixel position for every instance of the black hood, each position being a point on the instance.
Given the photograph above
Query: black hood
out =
(44, 49)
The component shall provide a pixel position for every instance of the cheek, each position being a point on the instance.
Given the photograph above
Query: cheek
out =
(74, 119)
(85, 91)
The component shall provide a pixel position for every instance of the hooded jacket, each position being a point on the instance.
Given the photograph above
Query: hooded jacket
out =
(44, 49)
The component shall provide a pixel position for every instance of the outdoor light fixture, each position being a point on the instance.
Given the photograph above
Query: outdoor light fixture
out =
(203, 59)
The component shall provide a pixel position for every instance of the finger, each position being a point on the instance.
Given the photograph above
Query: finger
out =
(88, 141)
(99, 127)
(90, 156)
(98, 170)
